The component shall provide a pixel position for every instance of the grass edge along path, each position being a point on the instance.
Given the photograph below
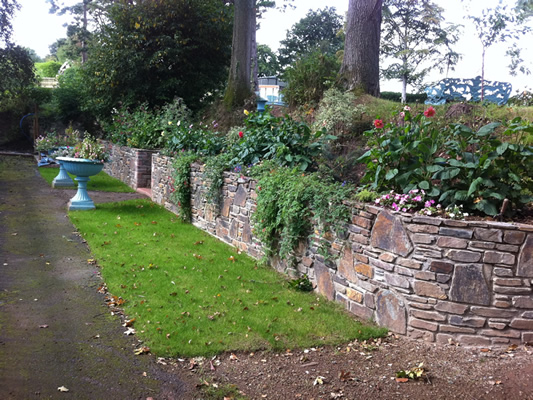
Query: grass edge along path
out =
(187, 293)
(101, 182)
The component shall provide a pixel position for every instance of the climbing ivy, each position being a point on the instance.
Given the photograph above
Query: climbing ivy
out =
(181, 184)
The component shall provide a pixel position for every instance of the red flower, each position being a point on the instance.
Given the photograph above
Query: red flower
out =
(241, 134)
(378, 123)
(430, 112)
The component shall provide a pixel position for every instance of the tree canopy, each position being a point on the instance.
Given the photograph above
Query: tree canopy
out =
(320, 29)
(415, 38)
(153, 51)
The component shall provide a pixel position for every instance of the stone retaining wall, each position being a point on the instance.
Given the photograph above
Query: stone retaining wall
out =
(131, 166)
(429, 278)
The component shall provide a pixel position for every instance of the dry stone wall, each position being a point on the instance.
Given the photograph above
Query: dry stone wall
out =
(429, 278)
(131, 166)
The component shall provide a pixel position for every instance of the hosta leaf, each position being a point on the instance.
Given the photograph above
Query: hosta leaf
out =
(495, 195)
(488, 129)
(448, 173)
(391, 174)
(434, 192)
(487, 207)
(502, 148)
(474, 185)
(424, 185)
(434, 168)
(461, 195)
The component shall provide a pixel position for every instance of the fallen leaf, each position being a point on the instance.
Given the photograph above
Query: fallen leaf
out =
(62, 389)
(14, 234)
(511, 348)
(495, 382)
(199, 242)
(485, 350)
(319, 380)
(402, 380)
(43, 326)
(129, 331)
(233, 357)
(141, 350)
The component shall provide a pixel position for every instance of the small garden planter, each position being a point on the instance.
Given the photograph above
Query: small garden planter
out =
(83, 169)
(62, 179)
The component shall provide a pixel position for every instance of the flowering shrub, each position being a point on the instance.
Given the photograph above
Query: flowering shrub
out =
(90, 149)
(414, 199)
(51, 140)
(454, 165)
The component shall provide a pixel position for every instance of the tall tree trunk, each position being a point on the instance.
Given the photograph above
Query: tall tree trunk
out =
(239, 85)
(255, 67)
(360, 65)
(483, 74)
(84, 33)
(404, 89)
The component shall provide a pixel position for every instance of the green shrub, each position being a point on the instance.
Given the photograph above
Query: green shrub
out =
(309, 78)
(337, 112)
(524, 99)
(288, 142)
(48, 69)
(453, 165)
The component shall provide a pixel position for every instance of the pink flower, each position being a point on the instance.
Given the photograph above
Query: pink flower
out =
(430, 112)
(241, 134)
(378, 123)
(407, 108)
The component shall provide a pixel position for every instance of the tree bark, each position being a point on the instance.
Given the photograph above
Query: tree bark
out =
(239, 83)
(360, 65)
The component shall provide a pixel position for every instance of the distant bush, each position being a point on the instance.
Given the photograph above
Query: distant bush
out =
(411, 98)
(337, 112)
(47, 69)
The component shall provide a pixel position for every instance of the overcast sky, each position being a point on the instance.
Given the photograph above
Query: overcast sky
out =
(37, 29)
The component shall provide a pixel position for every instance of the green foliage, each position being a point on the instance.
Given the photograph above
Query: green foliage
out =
(309, 77)
(214, 174)
(454, 165)
(366, 196)
(218, 300)
(337, 112)
(267, 61)
(181, 184)
(319, 31)
(194, 137)
(410, 97)
(47, 69)
(524, 99)
(303, 284)
(68, 99)
(284, 140)
(289, 203)
(156, 50)
(16, 70)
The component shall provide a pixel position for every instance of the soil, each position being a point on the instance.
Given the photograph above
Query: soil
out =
(45, 280)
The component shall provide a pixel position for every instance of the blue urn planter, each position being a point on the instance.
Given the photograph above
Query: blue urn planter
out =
(83, 169)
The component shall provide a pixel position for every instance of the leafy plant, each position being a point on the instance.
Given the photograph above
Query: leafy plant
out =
(303, 284)
(454, 165)
(289, 203)
(337, 112)
(285, 140)
(214, 174)
(181, 184)
(418, 372)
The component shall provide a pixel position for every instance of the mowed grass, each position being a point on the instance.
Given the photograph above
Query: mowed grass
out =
(101, 182)
(191, 294)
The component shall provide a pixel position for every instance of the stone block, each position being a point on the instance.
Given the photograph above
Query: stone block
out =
(354, 295)
(425, 275)
(525, 259)
(387, 257)
(514, 237)
(421, 306)
(391, 311)
(428, 326)
(423, 238)
(471, 322)
(527, 338)
(522, 323)
(362, 222)
(324, 280)
(441, 267)
(459, 233)
(463, 256)
(429, 289)
(497, 325)
(369, 300)
(491, 312)
(427, 220)
(423, 229)
(455, 329)
(443, 338)
(346, 265)
(503, 272)
(508, 282)
(389, 234)
(418, 334)
(501, 303)
(428, 315)
(469, 340)
(495, 257)
(361, 311)
(507, 333)
(452, 308)
(452, 242)
(443, 278)
(365, 270)
(380, 264)
(403, 271)
(358, 238)
(361, 258)
(507, 248)
(469, 285)
(511, 290)
(409, 263)
(488, 235)
(523, 302)
(481, 245)
(397, 280)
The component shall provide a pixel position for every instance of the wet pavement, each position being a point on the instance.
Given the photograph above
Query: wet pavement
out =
(55, 329)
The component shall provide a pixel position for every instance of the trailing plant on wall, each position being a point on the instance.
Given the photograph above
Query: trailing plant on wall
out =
(290, 202)
(181, 184)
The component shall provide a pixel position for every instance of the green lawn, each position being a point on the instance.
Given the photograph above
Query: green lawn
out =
(101, 182)
(190, 294)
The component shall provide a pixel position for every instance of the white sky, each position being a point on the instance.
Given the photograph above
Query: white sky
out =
(37, 29)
